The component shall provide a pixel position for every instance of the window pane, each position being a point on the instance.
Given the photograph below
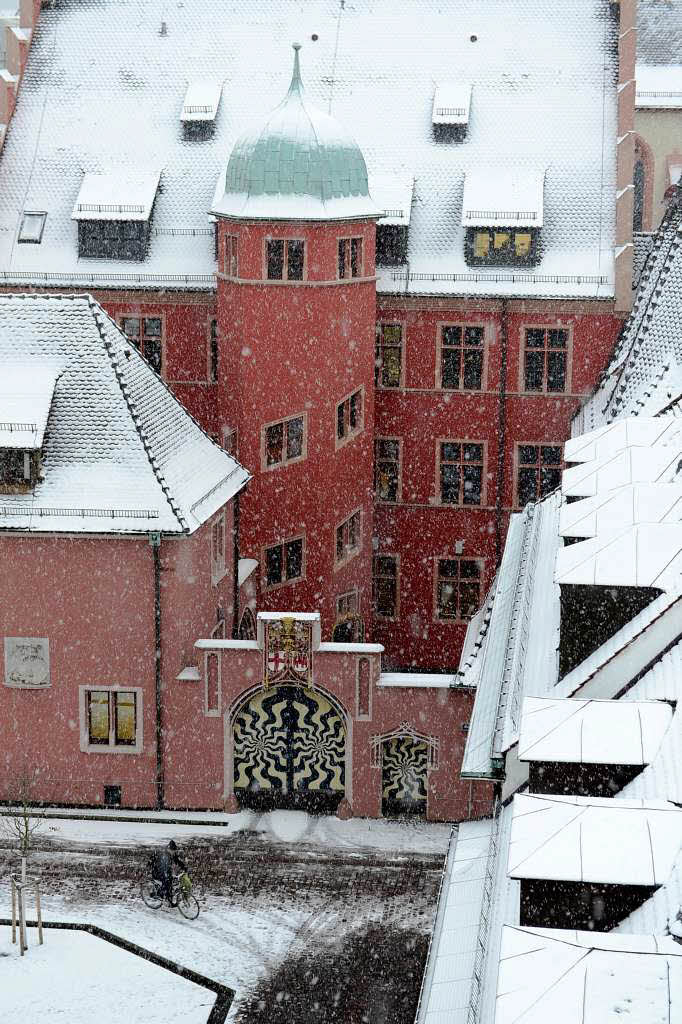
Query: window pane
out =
(385, 594)
(355, 417)
(387, 481)
(152, 353)
(558, 339)
(556, 371)
(392, 334)
(131, 327)
(449, 483)
(274, 442)
(387, 449)
(528, 454)
(522, 240)
(98, 716)
(385, 565)
(473, 370)
(275, 259)
(551, 454)
(501, 239)
(295, 260)
(447, 601)
(534, 371)
(472, 452)
(473, 482)
(342, 257)
(473, 336)
(354, 531)
(339, 543)
(447, 567)
(450, 367)
(273, 562)
(452, 335)
(535, 338)
(390, 370)
(294, 559)
(527, 485)
(469, 599)
(355, 257)
(469, 569)
(481, 244)
(549, 480)
(340, 420)
(295, 438)
(450, 451)
(152, 327)
(125, 718)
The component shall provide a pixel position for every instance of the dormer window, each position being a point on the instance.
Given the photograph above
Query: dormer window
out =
(450, 114)
(26, 392)
(394, 197)
(114, 214)
(16, 469)
(502, 215)
(200, 108)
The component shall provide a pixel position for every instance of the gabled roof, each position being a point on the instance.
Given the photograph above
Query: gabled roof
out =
(120, 454)
(373, 68)
(26, 392)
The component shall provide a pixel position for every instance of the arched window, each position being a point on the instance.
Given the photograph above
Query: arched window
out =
(247, 626)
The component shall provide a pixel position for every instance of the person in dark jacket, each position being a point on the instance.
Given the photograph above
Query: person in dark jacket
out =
(163, 863)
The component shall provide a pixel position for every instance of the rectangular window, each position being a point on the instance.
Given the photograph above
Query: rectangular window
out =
(348, 538)
(385, 586)
(545, 359)
(347, 604)
(218, 548)
(32, 226)
(285, 259)
(539, 471)
(461, 358)
(458, 588)
(213, 352)
(212, 684)
(388, 362)
(364, 689)
(284, 442)
(111, 719)
(284, 562)
(350, 258)
(387, 469)
(349, 417)
(145, 333)
(503, 246)
(231, 256)
(461, 472)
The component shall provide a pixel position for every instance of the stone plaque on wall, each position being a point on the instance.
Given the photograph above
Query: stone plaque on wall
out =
(27, 661)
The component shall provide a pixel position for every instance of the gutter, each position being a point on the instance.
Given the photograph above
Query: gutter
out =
(501, 428)
(155, 541)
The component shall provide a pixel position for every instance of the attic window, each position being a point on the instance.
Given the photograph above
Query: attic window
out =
(32, 226)
(450, 113)
(200, 108)
(15, 467)
(394, 197)
(502, 214)
(114, 213)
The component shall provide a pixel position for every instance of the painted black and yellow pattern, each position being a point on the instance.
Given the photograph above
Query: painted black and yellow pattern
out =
(404, 775)
(289, 749)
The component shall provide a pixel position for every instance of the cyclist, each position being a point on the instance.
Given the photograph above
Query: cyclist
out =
(163, 863)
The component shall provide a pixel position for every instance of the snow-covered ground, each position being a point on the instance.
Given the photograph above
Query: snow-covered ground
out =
(77, 978)
(276, 885)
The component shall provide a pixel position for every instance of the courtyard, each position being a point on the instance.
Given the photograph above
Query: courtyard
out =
(306, 918)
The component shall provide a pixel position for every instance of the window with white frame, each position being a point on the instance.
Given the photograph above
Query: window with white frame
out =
(388, 362)
(347, 604)
(285, 259)
(348, 538)
(538, 471)
(230, 440)
(284, 562)
(231, 256)
(461, 357)
(349, 417)
(545, 359)
(385, 586)
(218, 547)
(111, 719)
(462, 465)
(283, 442)
(458, 588)
(146, 334)
(387, 468)
(350, 258)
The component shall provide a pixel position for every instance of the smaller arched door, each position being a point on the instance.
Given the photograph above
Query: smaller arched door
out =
(404, 774)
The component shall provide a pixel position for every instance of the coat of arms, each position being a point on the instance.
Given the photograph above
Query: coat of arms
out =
(288, 651)
(27, 661)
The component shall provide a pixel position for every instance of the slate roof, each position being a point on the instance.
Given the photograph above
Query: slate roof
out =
(659, 31)
(120, 454)
(644, 375)
(104, 88)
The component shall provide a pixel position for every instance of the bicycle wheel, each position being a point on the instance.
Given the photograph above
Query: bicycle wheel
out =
(188, 906)
(150, 891)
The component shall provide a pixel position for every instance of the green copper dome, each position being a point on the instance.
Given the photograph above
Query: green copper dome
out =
(301, 165)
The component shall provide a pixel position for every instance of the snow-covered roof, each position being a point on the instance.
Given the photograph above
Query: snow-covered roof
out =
(590, 839)
(118, 195)
(78, 114)
(393, 196)
(625, 506)
(201, 101)
(451, 103)
(497, 197)
(25, 398)
(120, 454)
(574, 977)
(419, 680)
(644, 375)
(659, 86)
(592, 731)
(659, 31)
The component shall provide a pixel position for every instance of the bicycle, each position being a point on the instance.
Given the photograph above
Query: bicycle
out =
(182, 897)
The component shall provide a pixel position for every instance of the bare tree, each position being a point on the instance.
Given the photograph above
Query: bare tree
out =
(19, 822)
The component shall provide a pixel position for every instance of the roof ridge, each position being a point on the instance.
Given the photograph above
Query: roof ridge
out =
(96, 310)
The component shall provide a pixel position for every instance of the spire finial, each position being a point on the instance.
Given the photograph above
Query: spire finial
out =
(296, 83)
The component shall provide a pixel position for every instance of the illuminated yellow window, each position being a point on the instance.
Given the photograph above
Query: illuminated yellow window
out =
(125, 718)
(502, 238)
(522, 240)
(98, 716)
(481, 244)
